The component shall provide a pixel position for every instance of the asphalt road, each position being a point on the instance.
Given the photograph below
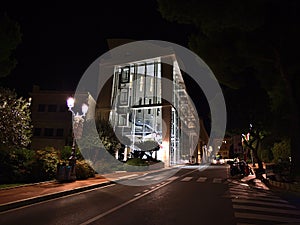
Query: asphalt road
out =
(194, 195)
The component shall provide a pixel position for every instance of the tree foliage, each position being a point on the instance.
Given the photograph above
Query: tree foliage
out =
(10, 38)
(282, 150)
(244, 41)
(15, 125)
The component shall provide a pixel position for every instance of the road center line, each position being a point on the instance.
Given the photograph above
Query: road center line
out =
(130, 201)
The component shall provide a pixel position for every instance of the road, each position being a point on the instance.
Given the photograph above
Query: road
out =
(194, 195)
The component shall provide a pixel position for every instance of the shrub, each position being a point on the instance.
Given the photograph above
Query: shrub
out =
(84, 169)
(282, 150)
(45, 165)
(16, 165)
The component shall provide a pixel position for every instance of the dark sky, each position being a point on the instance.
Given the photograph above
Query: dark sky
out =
(60, 40)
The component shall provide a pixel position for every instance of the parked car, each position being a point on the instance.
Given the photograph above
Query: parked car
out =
(218, 160)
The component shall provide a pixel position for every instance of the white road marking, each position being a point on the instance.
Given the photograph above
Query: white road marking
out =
(93, 219)
(236, 200)
(202, 179)
(264, 209)
(217, 180)
(187, 179)
(266, 217)
(260, 198)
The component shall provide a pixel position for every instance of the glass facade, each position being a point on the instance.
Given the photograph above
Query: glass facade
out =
(137, 108)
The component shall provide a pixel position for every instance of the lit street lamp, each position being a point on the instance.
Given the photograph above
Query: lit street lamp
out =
(77, 132)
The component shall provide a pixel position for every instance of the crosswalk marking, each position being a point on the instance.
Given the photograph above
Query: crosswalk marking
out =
(244, 192)
(217, 180)
(202, 179)
(265, 209)
(249, 193)
(266, 217)
(236, 200)
(187, 179)
(259, 198)
(252, 206)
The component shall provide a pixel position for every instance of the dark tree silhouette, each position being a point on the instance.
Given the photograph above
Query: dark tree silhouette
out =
(250, 40)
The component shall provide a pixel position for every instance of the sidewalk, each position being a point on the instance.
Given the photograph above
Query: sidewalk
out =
(19, 196)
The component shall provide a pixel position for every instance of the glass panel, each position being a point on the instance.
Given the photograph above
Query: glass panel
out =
(122, 120)
(124, 97)
(141, 69)
(150, 69)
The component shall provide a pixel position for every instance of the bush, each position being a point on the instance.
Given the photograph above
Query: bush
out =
(136, 162)
(282, 150)
(16, 165)
(45, 165)
(65, 153)
(84, 170)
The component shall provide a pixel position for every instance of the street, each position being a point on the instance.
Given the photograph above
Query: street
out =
(194, 195)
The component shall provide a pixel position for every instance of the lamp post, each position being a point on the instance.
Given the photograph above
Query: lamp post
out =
(78, 120)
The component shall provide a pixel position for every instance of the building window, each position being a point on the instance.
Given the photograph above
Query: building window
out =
(41, 108)
(124, 97)
(37, 131)
(141, 83)
(124, 78)
(52, 108)
(63, 108)
(122, 120)
(48, 132)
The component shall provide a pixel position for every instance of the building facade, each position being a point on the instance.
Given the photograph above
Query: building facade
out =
(149, 102)
(52, 121)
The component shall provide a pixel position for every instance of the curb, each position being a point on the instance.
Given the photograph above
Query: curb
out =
(287, 186)
(29, 201)
(33, 200)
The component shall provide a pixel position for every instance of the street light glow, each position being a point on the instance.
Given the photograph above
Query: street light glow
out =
(84, 108)
(70, 102)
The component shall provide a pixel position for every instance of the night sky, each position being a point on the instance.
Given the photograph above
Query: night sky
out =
(60, 40)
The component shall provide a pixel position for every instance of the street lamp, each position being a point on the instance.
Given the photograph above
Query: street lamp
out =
(77, 131)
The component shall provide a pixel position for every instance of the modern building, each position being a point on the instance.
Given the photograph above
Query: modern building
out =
(147, 100)
(144, 99)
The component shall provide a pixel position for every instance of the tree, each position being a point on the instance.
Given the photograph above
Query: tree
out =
(15, 125)
(250, 40)
(253, 141)
(10, 38)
